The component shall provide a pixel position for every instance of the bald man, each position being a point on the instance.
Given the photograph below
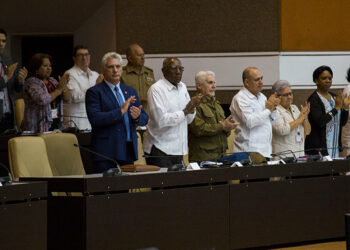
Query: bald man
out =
(136, 75)
(255, 115)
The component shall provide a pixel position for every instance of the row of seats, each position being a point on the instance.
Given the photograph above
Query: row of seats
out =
(57, 150)
(45, 155)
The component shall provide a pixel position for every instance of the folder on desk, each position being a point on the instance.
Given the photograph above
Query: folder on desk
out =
(139, 168)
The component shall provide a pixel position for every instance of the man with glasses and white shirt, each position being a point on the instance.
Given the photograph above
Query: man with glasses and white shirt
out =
(80, 79)
(170, 110)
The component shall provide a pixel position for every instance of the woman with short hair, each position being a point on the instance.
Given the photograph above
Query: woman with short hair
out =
(328, 113)
(292, 125)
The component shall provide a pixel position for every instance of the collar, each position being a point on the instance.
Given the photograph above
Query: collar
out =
(206, 99)
(284, 109)
(249, 94)
(171, 86)
(112, 86)
(81, 72)
(129, 69)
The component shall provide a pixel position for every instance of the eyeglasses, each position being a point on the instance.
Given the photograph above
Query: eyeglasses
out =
(287, 94)
(174, 69)
(82, 55)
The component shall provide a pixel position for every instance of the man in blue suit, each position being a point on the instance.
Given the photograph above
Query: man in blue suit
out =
(114, 111)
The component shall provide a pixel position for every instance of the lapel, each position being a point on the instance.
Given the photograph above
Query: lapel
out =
(124, 91)
(109, 94)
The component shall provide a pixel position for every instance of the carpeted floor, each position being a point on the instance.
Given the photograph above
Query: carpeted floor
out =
(336, 245)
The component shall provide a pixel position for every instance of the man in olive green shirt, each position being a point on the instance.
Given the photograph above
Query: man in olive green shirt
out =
(209, 130)
(136, 75)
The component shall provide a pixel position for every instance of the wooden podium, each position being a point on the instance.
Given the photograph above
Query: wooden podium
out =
(23, 217)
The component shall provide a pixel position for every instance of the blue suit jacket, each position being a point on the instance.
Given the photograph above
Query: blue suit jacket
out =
(108, 128)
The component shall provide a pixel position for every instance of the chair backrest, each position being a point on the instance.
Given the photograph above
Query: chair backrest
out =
(28, 157)
(230, 141)
(141, 160)
(19, 111)
(64, 157)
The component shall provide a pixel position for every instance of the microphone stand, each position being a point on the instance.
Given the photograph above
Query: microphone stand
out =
(110, 172)
(175, 167)
(286, 159)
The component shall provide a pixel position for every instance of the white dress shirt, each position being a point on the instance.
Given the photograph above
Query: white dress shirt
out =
(285, 139)
(167, 125)
(78, 84)
(254, 133)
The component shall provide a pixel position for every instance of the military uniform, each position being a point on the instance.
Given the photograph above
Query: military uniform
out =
(140, 82)
(207, 139)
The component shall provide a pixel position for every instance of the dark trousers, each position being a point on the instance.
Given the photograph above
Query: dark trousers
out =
(102, 166)
(6, 122)
(161, 159)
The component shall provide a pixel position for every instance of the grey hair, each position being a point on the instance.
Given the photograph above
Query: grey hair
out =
(201, 75)
(279, 85)
(110, 55)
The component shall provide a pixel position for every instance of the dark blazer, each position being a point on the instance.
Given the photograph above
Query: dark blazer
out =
(318, 119)
(108, 128)
(14, 88)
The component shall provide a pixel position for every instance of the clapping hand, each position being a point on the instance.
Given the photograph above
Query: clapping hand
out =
(305, 110)
(135, 111)
(346, 102)
(127, 103)
(229, 123)
(63, 81)
(338, 100)
(11, 70)
(272, 102)
(22, 75)
(99, 78)
(193, 103)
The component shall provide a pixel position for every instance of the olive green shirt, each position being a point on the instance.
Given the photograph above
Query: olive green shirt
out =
(140, 82)
(207, 139)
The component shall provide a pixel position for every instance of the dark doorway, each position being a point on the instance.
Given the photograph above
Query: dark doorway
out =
(59, 47)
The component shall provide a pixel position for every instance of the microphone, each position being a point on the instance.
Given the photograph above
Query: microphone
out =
(7, 179)
(175, 167)
(314, 157)
(74, 129)
(286, 159)
(110, 172)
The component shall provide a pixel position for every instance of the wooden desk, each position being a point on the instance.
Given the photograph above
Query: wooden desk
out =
(200, 209)
(23, 217)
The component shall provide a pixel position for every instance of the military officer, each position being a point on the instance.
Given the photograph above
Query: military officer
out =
(209, 130)
(136, 75)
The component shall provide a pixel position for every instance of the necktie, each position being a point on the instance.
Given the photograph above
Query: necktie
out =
(2, 70)
(125, 116)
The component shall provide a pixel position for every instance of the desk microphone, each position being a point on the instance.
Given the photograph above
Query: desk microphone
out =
(315, 157)
(7, 179)
(287, 159)
(110, 172)
(74, 129)
(319, 151)
(175, 167)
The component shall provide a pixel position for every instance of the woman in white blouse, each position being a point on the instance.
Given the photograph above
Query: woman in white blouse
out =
(292, 125)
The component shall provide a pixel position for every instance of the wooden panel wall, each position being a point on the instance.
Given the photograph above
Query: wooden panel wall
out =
(198, 26)
(315, 25)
